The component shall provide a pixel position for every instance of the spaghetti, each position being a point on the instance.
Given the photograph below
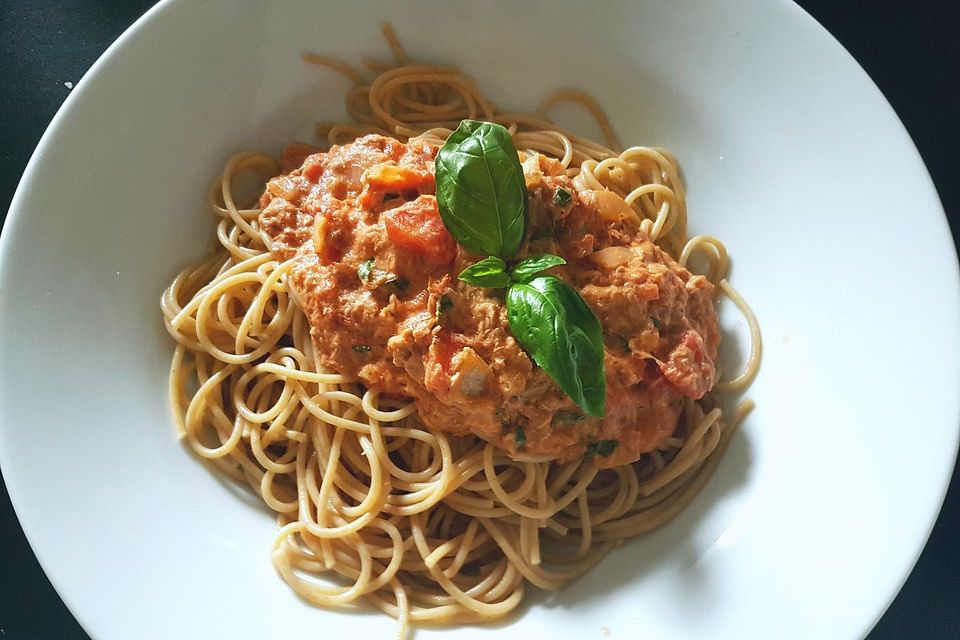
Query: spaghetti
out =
(426, 527)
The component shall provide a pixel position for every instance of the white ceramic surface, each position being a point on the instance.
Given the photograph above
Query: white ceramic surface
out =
(791, 155)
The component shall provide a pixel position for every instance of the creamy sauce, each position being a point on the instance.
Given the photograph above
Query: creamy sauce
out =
(376, 271)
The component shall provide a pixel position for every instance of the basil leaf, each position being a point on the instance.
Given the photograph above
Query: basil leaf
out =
(481, 192)
(562, 197)
(555, 325)
(529, 267)
(490, 272)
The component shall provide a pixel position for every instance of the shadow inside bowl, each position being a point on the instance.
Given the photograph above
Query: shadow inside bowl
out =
(674, 547)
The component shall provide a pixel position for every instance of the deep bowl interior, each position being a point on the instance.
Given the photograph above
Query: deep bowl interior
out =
(790, 155)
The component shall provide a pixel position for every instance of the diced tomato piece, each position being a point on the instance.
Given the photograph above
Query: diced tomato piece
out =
(312, 167)
(392, 177)
(370, 197)
(438, 363)
(422, 150)
(417, 226)
(688, 369)
(321, 238)
(443, 349)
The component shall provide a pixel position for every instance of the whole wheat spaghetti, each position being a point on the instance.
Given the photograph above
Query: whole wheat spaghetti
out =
(372, 506)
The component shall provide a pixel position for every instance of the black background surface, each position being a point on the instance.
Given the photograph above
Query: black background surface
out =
(910, 49)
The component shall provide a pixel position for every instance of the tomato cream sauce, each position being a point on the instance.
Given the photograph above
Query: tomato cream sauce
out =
(375, 271)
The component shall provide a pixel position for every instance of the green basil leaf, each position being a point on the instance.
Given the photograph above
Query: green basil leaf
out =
(490, 272)
(562, 197)
(480, 189)
(529, 267)
(555, 325)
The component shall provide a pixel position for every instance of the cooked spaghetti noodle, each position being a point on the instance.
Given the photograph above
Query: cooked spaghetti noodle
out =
(426, 527)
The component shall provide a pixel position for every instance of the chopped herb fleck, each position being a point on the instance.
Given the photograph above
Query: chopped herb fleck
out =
(444, 304)
(365, 270)
(566, 418)
(362, 348)
(400, 284)
(391, 196)
(655, 323)
(603, 447)
(562, 197)
(618, 342)
(520, 438)
(543, 233)
(606, 447)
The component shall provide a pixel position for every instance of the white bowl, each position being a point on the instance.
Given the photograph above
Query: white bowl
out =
(791, 156)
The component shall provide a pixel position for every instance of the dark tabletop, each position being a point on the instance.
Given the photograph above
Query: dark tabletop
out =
(911, 49)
